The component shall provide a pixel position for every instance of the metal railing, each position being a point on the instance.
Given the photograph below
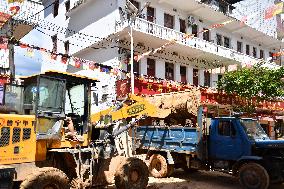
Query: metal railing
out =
(156, 30)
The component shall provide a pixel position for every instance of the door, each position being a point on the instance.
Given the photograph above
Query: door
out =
(182, 26)
(50, 106)
(225, 141)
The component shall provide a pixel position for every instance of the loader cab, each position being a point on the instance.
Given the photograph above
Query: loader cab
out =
(51, 97)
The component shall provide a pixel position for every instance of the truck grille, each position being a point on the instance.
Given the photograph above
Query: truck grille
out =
(5, 136)
(16, 134)
(26, 133)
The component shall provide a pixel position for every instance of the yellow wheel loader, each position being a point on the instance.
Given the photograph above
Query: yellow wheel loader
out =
(49, 139)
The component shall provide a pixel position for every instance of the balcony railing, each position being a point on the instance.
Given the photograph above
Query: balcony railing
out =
(197, 43)
(29, 11)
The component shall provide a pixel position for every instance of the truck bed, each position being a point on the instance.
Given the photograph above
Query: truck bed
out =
(174, 139)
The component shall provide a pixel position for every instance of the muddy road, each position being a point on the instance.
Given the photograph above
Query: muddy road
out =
(197, 180)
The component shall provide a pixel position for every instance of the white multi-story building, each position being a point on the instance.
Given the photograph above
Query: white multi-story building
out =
(98, 30)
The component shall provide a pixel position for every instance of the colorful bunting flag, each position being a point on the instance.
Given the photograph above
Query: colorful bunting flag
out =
(272, 11)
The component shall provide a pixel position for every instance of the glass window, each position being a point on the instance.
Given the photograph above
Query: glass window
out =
(67, 7)
(169, 71)
(55, 8)
(207, 78)
(206, 35)
(195, 77)
(168, 21)
(261, 54)
(219, 39)
(66, 47)
(151, 67)
(247, 50)
(195, 30)
(253, 129)
(182, 26)
(54, 43)
(226, 128)
(14, 97)
(227, 42)
(183, 74)
(239, 46)
(254, 52)
(150, 14)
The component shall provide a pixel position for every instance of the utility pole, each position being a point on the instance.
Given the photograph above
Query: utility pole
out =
(134, 12)
(11, 51)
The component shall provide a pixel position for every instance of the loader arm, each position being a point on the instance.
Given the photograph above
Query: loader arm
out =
(139, 107)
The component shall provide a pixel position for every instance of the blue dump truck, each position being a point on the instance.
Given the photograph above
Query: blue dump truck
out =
(237, 146)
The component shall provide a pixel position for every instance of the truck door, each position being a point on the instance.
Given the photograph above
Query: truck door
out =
(225, 141)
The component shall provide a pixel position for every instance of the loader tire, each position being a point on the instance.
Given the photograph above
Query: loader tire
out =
(158, 166)
(46, 178)
(132, 173)
(253, 176)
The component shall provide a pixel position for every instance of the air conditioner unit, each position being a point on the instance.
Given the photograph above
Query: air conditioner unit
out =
(190, 20)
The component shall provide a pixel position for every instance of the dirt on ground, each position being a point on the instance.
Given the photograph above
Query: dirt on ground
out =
(197, 180)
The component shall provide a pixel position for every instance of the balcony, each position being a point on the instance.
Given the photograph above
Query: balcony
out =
(25, 19)
(198, 47)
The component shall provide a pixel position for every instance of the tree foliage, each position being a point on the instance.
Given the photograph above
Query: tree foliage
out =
(259, 83)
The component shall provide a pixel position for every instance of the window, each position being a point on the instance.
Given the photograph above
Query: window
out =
(182, 26)
(219, 39)
(169, 71)
(150, 14)
(169, 21)
(207, 78)
(261, 54)
(66, 47)
(55, 8)
(239, 46)
(54, 43)
(195, 30)
(226, 128)
(151, 67)
(219, 77)
(206, 35)
(135, 3)
(254, 52)
(195, 77)
(183, 74)
(67, 7)
(247, 50)
(227, 42)
(135, 66)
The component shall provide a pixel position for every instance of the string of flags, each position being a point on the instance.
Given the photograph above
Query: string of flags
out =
(64, 58)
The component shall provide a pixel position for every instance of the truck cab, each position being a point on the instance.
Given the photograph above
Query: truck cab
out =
(241, 145)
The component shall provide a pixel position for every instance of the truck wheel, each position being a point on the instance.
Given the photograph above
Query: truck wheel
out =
(253, 176)
(46, 178)
(158, 167)
(131, 173)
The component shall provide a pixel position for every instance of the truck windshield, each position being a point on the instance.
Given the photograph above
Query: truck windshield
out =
(253, 129)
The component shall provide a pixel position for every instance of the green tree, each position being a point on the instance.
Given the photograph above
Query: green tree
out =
(259, 83)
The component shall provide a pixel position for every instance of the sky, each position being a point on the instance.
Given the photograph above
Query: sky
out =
(24, 64)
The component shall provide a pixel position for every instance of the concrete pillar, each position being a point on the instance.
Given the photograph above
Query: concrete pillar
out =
(177, 76)
(201, 77)
(214, 79)
(159, 16)
(160, 69)
(143, 66)
(189, 74)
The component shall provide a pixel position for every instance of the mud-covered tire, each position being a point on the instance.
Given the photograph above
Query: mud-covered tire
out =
(47, 177)
(132, 173)
(158, 166)
(253, 176)
(171, 169)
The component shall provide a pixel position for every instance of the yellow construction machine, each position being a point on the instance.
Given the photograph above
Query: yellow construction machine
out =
(49, 139)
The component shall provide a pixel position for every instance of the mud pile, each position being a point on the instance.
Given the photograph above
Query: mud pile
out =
(176, 102)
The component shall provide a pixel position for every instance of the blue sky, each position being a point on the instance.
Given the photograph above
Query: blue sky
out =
(24, 64)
